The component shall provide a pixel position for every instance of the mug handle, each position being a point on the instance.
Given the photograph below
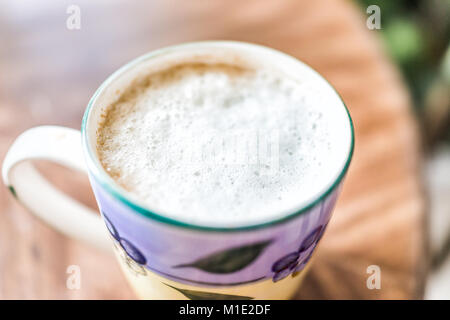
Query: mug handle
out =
(63, 146)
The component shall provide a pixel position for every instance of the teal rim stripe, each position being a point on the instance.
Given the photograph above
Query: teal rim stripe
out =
(108, 184)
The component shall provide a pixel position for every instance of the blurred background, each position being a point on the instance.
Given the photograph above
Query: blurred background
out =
(395, 208)
(416, 36)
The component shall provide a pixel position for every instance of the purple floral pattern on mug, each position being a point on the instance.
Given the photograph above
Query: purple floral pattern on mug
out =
(296, 261)
(215, 259)
(130, 255)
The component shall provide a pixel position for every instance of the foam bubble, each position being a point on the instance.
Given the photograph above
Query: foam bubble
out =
(220, 143)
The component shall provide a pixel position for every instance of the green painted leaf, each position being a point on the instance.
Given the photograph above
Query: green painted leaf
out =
(13, 191)
(230, 260)
(202, 295)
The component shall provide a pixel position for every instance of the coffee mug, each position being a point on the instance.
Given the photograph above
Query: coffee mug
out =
(162, 257)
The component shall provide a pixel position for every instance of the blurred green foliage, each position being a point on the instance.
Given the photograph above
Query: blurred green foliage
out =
(416, 34)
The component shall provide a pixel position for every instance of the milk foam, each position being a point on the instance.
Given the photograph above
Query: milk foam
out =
(221, 144)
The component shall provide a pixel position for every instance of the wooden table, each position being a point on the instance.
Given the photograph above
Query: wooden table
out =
(48, 73)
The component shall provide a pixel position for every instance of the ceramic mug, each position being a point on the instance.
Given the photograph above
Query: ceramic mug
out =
(161, 256)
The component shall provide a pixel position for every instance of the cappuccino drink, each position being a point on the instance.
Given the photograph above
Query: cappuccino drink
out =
(216, 166)
(221, 138)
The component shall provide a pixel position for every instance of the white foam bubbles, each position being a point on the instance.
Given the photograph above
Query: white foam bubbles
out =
(208, 144)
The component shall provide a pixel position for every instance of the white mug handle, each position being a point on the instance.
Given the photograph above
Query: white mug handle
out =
(63, 146)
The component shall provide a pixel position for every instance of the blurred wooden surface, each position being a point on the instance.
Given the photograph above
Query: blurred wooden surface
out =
(50, 72)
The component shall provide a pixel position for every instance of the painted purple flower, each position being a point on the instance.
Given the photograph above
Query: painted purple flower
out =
(111, 227)
(304, 258)
(285, 262)
(295, 262)
(283, 266)
(311, 239)
(134, 267)
(298, 269)
(281, 274)
(132, 251)
(306, 255)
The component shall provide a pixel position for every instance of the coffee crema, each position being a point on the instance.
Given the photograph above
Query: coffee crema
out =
(221, 143)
